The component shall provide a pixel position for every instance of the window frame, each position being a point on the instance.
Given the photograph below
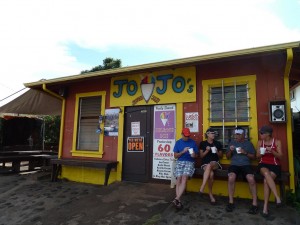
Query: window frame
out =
(82, 152)
(250, 80)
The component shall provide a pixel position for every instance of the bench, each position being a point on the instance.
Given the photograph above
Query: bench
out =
(102, 164)
(44, 161)
(223, 174)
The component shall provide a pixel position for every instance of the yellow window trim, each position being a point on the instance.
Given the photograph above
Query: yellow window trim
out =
(250, 80)
(85, 153)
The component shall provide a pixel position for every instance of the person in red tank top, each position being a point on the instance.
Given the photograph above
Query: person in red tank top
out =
(269, 154)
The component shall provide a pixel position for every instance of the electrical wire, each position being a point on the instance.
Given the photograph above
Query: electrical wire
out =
(12, 94)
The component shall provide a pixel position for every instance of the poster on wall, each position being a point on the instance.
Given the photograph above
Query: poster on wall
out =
(111, 122)
(191, 121)
(164, 140)
(135, 128)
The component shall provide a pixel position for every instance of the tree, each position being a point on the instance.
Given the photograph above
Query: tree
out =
(108, 63)
(52, 130)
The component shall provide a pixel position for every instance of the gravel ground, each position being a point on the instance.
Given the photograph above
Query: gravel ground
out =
(32, 199)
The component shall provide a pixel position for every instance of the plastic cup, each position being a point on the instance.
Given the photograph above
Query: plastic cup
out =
(238, 150)
(191, 150)
(262, 150)
(213, 149)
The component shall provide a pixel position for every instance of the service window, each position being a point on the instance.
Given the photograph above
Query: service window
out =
(88, 132)
(228, 103)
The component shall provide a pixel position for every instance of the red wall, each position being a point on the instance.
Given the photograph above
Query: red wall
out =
(110, 143)
(269, 71)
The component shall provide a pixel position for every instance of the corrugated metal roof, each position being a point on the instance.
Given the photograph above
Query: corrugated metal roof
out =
(170, 63)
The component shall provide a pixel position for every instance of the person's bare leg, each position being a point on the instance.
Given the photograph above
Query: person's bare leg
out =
(207, 170)
(210, 186)
(266, 196)
(180, 186)
(269, 177)
(231, 186)
(178, 182)
(252, 187)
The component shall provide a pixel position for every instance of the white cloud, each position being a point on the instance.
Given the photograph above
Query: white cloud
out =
(34, 33)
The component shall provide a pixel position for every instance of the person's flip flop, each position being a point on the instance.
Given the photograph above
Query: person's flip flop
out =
(213, 202)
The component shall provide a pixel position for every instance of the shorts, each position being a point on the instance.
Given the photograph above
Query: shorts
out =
(274, 168)
(184, 168)
(243, 170)
(219, 165)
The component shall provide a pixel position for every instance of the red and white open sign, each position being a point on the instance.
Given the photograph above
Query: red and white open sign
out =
(135, 144)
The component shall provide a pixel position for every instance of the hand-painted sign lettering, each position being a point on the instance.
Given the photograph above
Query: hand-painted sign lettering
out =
(154, 88)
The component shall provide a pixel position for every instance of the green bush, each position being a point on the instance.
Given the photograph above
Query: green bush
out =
(52, 129)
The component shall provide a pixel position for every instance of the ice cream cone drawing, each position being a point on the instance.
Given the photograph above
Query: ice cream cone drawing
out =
(147, 87)
(164, 118)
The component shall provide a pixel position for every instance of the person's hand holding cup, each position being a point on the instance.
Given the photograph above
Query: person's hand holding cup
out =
(191, 151)
(262, 150)
(213, 149)
(238, 150)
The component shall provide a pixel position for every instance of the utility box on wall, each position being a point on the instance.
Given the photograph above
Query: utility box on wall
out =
(277, 111)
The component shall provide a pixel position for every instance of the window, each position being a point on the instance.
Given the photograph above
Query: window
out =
(88, 121)
(228, 103)
(87, 136)
(226, 135)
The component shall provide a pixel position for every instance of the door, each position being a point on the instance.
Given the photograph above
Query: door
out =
(138, 138)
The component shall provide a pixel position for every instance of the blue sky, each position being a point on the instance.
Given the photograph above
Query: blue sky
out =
(129, 55)
(50, 39)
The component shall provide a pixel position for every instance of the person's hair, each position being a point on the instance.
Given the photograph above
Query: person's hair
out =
(209, 130)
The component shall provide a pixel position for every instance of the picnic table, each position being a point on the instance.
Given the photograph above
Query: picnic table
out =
(35, 159)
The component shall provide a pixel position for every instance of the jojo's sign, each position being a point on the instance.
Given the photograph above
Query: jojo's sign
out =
(160, 87)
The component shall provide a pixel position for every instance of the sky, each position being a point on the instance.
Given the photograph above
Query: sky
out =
(45, 39)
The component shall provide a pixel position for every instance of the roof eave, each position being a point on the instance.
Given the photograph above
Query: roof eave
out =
(170, 63)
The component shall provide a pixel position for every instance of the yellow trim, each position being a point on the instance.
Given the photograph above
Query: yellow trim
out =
(86, 153)
(220, 188)
(87, 175)
(289, 134)
(62, 119)
(250, 80)
(120, 144)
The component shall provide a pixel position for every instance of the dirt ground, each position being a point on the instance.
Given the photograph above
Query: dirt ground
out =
(33, 199)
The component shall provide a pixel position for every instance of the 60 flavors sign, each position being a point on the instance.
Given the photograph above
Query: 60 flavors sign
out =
(162, 156)
(163, 150)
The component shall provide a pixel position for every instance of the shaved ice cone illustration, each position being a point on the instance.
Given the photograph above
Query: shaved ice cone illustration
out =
(147, 87)
(164, 118)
